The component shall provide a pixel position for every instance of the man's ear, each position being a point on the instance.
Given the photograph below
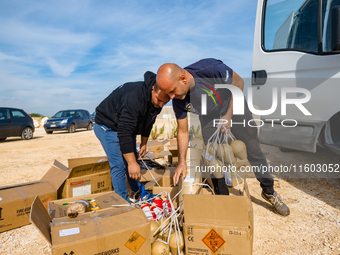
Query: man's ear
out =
(153, 88)
(182, 78)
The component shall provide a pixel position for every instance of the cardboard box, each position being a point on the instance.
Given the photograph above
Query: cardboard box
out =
(166, 184)
(105, 200)
(172, 160)
(83, 179)
(16, 200)
(107, 231)
(155, 147)
(218, 224)
(146, 174)
(198, 143)
(173, 141)
(173, 150)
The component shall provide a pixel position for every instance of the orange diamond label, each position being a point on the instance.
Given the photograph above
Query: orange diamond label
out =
(213, 240)
(135, 242)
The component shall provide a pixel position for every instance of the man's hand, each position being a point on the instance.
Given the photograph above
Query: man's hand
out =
(134, 171)
(227, 117)
(181, 171)
(142, 150)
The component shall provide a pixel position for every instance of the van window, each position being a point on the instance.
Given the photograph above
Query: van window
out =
(293, 25)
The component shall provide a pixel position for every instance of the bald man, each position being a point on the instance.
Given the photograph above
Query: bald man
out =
(186, 86)
(129, 110)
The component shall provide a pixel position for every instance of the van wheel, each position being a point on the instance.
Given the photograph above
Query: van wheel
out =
(90, 126)
(27, 133)
(72, 128)
(49, 132)
(3, 138)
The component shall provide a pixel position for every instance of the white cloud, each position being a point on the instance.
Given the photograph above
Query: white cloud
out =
(63, 70)
(8, 57)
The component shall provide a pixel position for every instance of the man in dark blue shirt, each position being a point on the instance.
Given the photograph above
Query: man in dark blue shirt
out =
(186, 86)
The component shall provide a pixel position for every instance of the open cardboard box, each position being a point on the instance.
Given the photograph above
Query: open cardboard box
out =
(58, 208)
(155, 147)
(166, 184)
(82, 179)
(146, 175)
(106, 231)
(16, 200)
(219, 224)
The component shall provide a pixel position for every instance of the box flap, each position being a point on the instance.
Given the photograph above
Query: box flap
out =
(60, 165)
(56, 175)
(152, 183)
(216, 210)
(18, 185)
(146, 175)
(89, 169)
(165, 153)
(73, 162)
(40, 219)
(165, 141)
(109, 199)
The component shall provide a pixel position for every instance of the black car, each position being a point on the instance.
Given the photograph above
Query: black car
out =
(15, 122)
(69, 120)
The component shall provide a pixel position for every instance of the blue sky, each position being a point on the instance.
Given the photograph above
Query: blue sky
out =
(57, 55)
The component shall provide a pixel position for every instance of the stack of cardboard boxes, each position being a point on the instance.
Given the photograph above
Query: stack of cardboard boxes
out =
(212, 224)
(83, 176)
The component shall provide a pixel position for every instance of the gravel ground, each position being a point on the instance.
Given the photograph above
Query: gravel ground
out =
(312, 228)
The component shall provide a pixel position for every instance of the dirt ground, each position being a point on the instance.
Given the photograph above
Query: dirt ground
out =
(312, 228)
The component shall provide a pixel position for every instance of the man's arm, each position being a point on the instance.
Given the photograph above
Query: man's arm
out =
(126, 126)
(133, 166)
(144, 141)
(238, 82)
(182, 145)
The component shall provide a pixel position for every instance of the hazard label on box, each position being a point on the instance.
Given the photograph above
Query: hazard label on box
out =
(213, 240)
(135, 242)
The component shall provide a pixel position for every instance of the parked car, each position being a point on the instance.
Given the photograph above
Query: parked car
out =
(15, 122)
(69, 120)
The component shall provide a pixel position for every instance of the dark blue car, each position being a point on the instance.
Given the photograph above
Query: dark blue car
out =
(69, 120)
(15, 122)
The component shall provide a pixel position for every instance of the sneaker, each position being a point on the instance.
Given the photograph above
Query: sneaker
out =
(133, 196)
(279, 206)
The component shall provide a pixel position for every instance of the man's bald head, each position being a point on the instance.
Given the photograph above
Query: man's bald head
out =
(168, 73)
(173, 80)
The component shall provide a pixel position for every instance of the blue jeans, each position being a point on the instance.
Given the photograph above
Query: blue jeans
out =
(119, 167)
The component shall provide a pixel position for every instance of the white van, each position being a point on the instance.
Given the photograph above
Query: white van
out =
(297, 45)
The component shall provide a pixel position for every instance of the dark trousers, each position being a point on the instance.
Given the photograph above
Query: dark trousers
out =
(249, 136)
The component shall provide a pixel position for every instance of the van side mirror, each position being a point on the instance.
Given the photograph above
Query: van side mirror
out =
(336, 29)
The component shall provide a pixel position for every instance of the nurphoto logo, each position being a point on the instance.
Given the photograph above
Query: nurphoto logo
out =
(238, 104)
